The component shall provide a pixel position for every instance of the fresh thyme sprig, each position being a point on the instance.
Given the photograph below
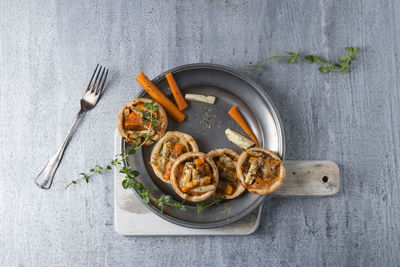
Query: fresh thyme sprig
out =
(324, 66)
(130, 174)
(99, 169)
(163, 200)
(148, 117)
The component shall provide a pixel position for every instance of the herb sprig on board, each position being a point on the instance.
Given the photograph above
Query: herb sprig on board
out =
(163, 200)
(130, 174)
(342, 66)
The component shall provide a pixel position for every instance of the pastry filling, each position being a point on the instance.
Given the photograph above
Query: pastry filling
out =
(228, 181)
(195, 177)
(137, 121)
(260, 169)
(169, 152)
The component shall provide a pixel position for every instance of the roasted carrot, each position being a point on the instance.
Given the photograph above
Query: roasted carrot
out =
(228, 190)
(194, 183)
(133, 121)
(187, 187)
(202, 166)
(198, 162)
(160, 98)
(177, 151)
(179, 99)
(167, 173)
(261, 181)
(206, 180)
(178, 148)
(235, 114)
(140, 106)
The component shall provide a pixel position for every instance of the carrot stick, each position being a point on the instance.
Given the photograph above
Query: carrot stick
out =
(160, 98)
(179, 99)
(235, 114)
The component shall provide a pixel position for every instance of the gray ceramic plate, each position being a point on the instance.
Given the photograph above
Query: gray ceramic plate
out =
(207, 123)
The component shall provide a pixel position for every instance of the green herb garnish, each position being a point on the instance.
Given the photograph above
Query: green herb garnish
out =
(163, 200)
(130, 175)
(148, 116)
(342, 66)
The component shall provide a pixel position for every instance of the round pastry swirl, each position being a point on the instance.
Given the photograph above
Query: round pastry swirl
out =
(229, 185)
(194, 176)
(167, 150)
(260, 171)
(133, 124)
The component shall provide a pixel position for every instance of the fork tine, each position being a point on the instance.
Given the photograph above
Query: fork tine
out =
(98, 84)
(102, 85)
(92, 87)
(87, 89)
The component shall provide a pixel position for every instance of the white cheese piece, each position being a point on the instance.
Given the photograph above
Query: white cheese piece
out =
(209, 99)
(239, 139)
(204, 188)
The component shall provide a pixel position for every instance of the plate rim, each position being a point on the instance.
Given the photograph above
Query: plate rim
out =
(281, 137)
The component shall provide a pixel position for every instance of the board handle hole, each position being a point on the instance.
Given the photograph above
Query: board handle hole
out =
(325, 179)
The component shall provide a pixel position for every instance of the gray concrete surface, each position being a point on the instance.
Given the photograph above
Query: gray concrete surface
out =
(49, 48)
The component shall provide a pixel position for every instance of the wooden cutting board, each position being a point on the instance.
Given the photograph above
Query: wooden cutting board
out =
(303, 179)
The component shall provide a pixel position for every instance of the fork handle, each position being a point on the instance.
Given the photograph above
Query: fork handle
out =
(45, 177)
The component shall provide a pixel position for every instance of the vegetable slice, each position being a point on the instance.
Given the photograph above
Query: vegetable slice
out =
(238, 139)
(179, 99)
(158, 96)
(204, 188)
(133, 121)
(235, 114)
(202, 166)
(209, 99)
(251, 173)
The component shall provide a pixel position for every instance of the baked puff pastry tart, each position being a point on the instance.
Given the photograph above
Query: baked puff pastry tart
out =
(229, 185)
(194, 176)
(260, 171)
(133, 121)
(172, 145)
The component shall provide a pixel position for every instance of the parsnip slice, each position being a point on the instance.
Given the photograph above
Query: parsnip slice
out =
(204, 188)
(251, 174)
(187, 172)
(209, 99)
(239, 139)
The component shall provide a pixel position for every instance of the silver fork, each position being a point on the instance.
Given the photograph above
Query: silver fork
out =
(89, 99)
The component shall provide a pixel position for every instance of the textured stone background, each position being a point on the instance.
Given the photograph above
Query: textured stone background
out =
(48, 50)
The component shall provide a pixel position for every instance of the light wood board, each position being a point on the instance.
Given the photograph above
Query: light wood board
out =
(303, 179)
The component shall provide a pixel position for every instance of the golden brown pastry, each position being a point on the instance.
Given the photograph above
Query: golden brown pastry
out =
(260, 171)
(167, 150)
(229, 185)
(133, 122)
(194, 176)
